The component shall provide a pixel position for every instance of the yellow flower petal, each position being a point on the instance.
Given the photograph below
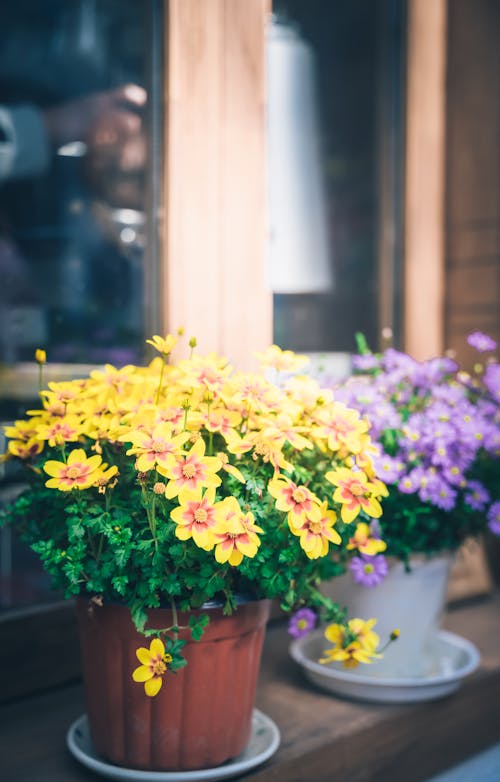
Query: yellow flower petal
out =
(142, 673)
(157, 648)
(143, 655)
(53, 468)
(153, 686)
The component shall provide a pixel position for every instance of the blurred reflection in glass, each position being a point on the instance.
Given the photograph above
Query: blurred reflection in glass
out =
(75, 137)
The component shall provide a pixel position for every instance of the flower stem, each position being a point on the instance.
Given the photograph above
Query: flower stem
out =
(157, 398)
(175, 617)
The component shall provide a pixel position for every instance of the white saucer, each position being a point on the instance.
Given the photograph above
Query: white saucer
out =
(264, 741)
(455, 658)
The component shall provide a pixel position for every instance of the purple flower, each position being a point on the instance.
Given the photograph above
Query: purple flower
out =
(388, 468)
(434, 371)
(368, 571)
(438, 492)
(494, 518)
(481, 342)
(491, 380)
(409, 484)
(396, 360)
(476, 495)
(365, 361)
(302, 622)
(375, 530)
(492, 440)
(454, 474)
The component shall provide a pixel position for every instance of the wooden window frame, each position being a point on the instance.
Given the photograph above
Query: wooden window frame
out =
(425, 178)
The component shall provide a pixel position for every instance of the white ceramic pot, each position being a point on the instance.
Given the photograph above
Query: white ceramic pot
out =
(412, 602)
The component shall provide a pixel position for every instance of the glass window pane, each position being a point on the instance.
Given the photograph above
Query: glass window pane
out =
(335, 166)
(80, 162)
(74, 182)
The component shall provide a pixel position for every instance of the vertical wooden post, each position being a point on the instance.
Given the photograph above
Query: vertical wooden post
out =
(214, 227)
(425, 167)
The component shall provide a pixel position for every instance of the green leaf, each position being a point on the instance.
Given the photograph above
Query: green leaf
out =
(139, 616)
(197, 625)
(361, 344)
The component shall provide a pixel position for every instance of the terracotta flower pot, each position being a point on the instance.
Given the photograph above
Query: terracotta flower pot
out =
(202, 715)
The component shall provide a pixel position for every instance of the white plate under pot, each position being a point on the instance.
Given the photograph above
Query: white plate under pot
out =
(264, 741)
(454, 659)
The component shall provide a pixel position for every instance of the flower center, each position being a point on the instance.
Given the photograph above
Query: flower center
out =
(158, 667)
(261, 449)
(302, 624)
(158, 446)
(368, 569)
(200, 515)
(73, 472)
(299, 495)
(189, 471)
(315, 527)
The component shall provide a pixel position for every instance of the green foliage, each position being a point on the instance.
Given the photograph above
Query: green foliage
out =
(121, 534)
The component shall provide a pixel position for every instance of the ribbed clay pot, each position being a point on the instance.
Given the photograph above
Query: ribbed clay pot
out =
(203, 713)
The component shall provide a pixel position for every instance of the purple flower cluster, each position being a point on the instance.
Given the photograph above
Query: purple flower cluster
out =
(436, 427)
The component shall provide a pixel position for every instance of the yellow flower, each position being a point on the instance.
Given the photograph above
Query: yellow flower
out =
(25, 449)
(235, 535)
(307, 392)
(40, 356)
(315, 534)
(298, 501)
(64, 391)
(195, 517)
(354, 644)
(155, 448)
(112, 379)
(154, 665)
(252, 392)
(60, 430)
(264, 448)
(104, 476)
(223, 421)
(191, 471)
(281, 360)
(355, 493)
(364, 541)
(204, 373)
(21, 430)
(343, 428)
(51, 404)
(163, 345)
(79, 472)
(283, 430)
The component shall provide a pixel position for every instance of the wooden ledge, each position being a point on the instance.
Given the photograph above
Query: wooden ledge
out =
(323, 738)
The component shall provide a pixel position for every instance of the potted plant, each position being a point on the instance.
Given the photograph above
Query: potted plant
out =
(437, 431)
(174, 501)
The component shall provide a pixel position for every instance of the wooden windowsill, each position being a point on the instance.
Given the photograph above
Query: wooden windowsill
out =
(323, 738)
